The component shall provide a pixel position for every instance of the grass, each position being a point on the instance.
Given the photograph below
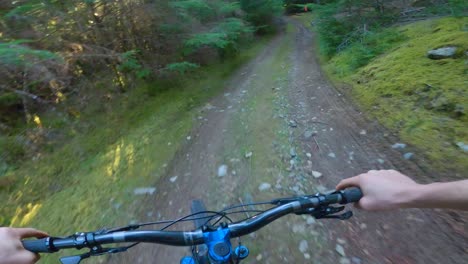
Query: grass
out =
(424, 101)
(88, 183)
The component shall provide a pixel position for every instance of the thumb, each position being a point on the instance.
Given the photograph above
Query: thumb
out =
(349, 182)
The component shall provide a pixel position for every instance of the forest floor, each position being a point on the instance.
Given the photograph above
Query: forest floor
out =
(278, 120)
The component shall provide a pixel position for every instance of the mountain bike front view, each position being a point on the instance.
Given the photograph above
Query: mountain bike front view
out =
(210, 241)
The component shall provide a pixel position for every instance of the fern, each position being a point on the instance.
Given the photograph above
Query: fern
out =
(181, 67)
(130, 64)
(197, 8)
(212, 39)
(25, 9)
(13, 53)
(225, 35)
(233, 28)
(229, 8)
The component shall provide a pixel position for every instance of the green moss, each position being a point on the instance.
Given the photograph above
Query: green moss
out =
(424, 100)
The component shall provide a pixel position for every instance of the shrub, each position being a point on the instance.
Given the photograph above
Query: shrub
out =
(261, 13)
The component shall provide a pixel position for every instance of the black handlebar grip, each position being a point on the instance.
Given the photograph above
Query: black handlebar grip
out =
(351, 195)
(38, 245)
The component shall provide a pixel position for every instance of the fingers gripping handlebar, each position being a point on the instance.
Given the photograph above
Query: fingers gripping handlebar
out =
(39, 245)
(352, 195)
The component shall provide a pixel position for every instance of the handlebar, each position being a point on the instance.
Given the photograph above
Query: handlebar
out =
(285, 206)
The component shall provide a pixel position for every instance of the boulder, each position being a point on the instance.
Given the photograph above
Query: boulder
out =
(442, 53)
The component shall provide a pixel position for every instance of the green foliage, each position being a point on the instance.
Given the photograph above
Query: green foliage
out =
(211, 39)
(229, 8)
(9, 99)
(422, 100)
(130, 64)
(223, 37)
(359, 54)
(23, 9)
(338, 31)
(181, 67)
(234, 29)
(458, 7)
(14, 53)
(197, 8)
(261, 13)
(12, 149)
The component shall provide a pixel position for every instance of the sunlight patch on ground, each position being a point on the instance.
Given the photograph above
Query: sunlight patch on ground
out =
(23, 216)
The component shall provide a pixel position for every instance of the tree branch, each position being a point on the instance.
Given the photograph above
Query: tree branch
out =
(25, 94)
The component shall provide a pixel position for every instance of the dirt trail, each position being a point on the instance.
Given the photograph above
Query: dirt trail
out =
(281, 103)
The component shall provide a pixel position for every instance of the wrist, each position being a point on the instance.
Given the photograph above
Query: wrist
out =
(413, 196)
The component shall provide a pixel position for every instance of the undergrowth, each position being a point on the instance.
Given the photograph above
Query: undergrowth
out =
(88, 183)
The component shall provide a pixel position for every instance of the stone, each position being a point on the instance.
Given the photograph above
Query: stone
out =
(462, 146)
(345, 261)
(341, 241)
(356, 260)
(299, 228)
(248, 155)
(408, 155)
(259, 257)
(308, 134)
(398, 146)
(442, 53)
(264, 186)
(331, 155)
(222, 170)
(321, 189)
(303, 246)
(292, 123)
(145, 190)
(292, 152)
(309, 155)
(306, 255)
(173, 179)
(363, 132)
(316, 174)
(310, 220)
(339, 248)
(381, 161)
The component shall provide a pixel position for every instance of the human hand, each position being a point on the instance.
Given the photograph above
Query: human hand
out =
(382, 190)
(11, 248)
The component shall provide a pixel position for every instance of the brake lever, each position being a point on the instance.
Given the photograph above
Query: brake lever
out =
(344, 216)
(98, 251)
(327, 212)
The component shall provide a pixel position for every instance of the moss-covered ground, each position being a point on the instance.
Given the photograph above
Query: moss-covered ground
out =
(423, 101)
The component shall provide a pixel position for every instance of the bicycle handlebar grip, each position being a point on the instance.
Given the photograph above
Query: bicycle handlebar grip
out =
(351, 195)
(38, 245)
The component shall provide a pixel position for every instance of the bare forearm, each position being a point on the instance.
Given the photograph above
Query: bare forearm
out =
(453, 195)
